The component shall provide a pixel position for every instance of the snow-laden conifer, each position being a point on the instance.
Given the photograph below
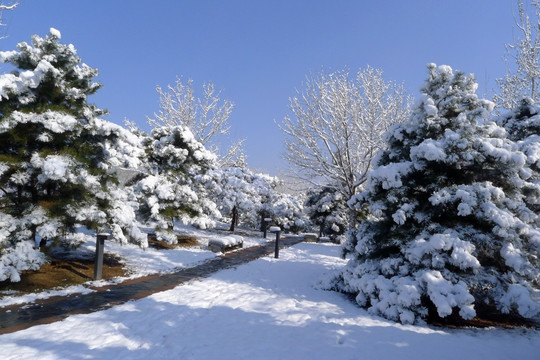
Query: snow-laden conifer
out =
(327, 209)
(448, 228)
(56, 155)
(168, 190)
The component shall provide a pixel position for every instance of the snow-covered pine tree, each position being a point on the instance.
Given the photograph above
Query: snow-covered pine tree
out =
(448, 228)
(53, 160)
(123, 154)
(169, 191)
(327, 209)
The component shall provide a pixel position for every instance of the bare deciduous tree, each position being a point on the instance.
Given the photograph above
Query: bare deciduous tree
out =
(337, 126)
(523, 74)
(206, 117)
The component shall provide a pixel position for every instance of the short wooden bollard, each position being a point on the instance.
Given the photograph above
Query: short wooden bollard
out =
(98, 263)
(277, 230)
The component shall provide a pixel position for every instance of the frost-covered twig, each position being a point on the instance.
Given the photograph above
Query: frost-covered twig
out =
(206, 117)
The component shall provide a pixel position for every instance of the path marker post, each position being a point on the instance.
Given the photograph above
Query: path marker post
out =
(98, 262)
(277, 231)
(266, 221)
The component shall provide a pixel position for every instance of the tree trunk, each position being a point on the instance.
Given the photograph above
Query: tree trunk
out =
(33, 230)
(34, 191)
(234, 221)
(264, 215)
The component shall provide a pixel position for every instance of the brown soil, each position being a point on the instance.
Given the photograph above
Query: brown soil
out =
(505, 322)
(486, 317)
(62, 273)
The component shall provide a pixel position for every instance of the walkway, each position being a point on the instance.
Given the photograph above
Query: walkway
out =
(19, 317)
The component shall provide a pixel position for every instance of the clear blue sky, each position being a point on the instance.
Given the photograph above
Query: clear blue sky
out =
(259, 52)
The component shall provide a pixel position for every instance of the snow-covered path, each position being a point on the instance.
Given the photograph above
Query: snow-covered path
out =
(267, 309)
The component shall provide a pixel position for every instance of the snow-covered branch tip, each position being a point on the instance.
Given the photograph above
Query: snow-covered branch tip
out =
(4, 7)
(9, 7)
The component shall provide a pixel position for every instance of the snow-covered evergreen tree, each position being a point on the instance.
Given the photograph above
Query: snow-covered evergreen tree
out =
(123, 152)
(246, 197)
(168, 191)
(448, 229)
(327, 209)
(54, 162)
(523, 126)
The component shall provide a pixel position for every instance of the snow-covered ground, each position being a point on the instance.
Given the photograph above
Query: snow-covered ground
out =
(267, 309)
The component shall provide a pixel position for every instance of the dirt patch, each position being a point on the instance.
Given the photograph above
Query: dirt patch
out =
(486, 317)
(508, 323)
(62, 273)
(62, 270)
(505, 322)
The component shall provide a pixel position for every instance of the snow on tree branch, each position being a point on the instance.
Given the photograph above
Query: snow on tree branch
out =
(337, 126)
(6, 8)
(523, 70)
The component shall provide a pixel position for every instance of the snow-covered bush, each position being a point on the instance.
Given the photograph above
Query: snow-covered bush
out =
(448, 228)
(55, 154)
(327, 209)
(238, 190)
(247, 197)
(286, 211)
